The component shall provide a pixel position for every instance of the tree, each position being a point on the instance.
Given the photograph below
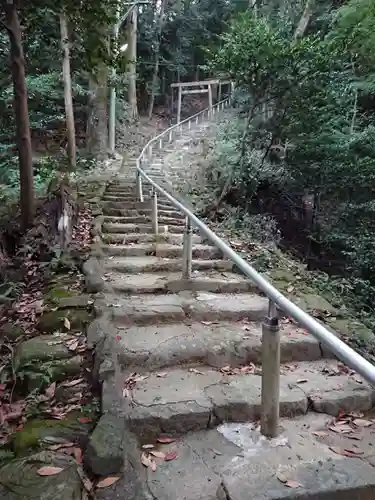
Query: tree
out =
(71, 136)
(23, 138)
(132, 64)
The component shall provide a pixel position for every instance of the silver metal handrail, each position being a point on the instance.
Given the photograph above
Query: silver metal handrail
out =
(270, 329)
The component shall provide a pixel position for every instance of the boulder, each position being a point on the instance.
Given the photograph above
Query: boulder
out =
(105, 452)
(54, 320)
(20, 480)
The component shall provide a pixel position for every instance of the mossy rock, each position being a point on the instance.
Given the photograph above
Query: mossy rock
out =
(11, 331)
(19, 479)
(56, 293)
(352, 328)
(39, 376)
(54, 320)
(35, 433)
(311, 303)
(41, 349)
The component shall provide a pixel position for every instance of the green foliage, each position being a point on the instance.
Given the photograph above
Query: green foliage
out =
(315, 96)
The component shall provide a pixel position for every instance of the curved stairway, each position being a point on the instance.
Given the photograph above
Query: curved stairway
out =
(184, 361)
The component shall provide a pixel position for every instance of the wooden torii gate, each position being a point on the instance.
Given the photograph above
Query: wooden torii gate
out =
(200, 87)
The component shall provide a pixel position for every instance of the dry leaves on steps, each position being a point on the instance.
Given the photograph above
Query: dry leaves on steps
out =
(289, 483)
(165, 439)
(345, 452)
(49, 471)
(108, 481)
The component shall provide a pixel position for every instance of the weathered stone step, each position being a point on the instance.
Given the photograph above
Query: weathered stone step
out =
(136, 219)
(213, 282)
(173, 239)
(213, 344)
(140, 228)
(156, 264)
(234, 462)
(163, 250)
(184, 400)
(124, 205)
(145, 212)
(185, 306)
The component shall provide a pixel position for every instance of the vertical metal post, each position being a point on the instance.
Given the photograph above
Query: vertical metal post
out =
(161, 143)
(150, 152)
(155, 225)
(187, 251)
(179, 104)
(269, 420)
(139, 187)
(170, 136)
(189, 124)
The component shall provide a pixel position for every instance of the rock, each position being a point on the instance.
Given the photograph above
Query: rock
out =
(315, 303)
(93, 275)
(39, 376)
(40, 349)
(77, 302)
(35, 431)
(54, 320)
(105, 452)
(56, 293)
(19, 479)
(11, 331)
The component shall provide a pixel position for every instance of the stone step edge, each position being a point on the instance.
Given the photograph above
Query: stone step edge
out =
(193, 399)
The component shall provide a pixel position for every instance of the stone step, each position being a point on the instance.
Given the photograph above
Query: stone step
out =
(212, 344)
(125, 205)
(212, 281)
(187, 399)
(139, 219)
(185, 306)
(157, 265)
(174, 214)
(173, 239)
(163, 250)
(234, 462)
(140, 228)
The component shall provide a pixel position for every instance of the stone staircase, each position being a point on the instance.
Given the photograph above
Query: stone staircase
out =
(180, 362)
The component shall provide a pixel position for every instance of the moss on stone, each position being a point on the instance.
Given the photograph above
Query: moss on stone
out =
(35, 433)
(41, 349)
(54, 320)
(38, 376)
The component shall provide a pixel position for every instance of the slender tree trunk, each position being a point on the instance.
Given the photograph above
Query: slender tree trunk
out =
(305, 19)
(97, 123)
(68, 99)
(132, 51)
(23, 138)
(157, 59)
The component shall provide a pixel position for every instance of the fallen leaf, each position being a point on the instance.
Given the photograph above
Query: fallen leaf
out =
(292, 484)
(67, 323)
(158, 454)
(361, 422)
(341, 429)
(162, 374)
(207, 323)
(320, 433)
(145, 459)
(194, 370)
(84, 420)
(165, 439)
(87, 484)
(302, 381)
(153, 465)
(108, 481)
(118, 337)
(49, 471)
(72, 346)
(290, 289)
(56, 447)
(78, 455)
(50, 391)
(344, 452)
(148, 446)
(140, 378)
(281, 477)
(72, 383)
(171, 455)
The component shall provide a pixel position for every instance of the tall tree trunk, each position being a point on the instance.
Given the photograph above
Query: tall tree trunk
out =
(157, 58)
(305, 19)
(23, 138)
(69, 113)
(97, 123)
(132, 51)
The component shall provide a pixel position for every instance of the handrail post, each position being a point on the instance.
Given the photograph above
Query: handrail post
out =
(139, 187)
(269, 420)
(187, 251)
(155, 225)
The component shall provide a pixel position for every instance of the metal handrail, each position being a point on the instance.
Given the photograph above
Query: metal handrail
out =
(331, 340)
